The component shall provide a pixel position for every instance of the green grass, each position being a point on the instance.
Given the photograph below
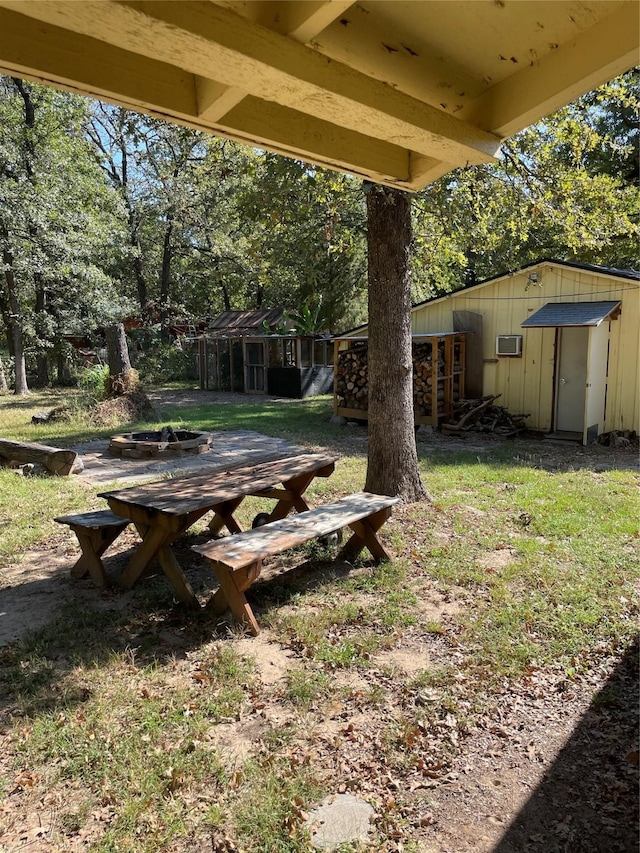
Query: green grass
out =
(28, 505)
(300, 421)
(121, 708)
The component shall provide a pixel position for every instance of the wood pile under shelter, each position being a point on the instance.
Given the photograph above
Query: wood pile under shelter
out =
(438, 376)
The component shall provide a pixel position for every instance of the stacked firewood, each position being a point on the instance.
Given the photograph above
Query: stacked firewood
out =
(423, 390)
(351, 377)
(351, 380)
(482, 416)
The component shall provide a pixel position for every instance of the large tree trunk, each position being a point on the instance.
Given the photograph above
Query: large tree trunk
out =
(392, 467)
(3, 379)
(21, 386)
(13, 316)
(120, 371)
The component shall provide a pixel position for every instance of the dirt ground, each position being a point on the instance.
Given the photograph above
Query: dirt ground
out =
(551, 767)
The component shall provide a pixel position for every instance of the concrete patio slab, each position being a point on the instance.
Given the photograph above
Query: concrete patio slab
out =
(230, 447)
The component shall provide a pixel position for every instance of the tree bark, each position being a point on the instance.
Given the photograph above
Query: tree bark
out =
(3, 378)
(42, 359)
(56, 460)
(122, 180)
(392, 467)
(165, 273)
(14, 316)
(118, 358)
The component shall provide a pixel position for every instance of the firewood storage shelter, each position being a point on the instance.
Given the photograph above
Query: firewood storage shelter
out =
(438, 376)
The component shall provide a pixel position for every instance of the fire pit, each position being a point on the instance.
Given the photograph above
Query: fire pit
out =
(164, 442)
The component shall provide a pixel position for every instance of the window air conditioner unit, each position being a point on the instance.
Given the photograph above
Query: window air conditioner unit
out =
(509, 345)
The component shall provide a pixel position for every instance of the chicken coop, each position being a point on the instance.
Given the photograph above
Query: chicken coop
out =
(438, 376)
(293, 366)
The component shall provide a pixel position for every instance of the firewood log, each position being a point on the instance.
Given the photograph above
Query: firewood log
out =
(55, 460)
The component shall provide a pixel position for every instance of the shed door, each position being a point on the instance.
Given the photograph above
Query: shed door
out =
(571, 373)
(596, 382)
(255, 368)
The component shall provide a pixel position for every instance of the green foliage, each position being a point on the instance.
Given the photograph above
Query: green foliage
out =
(60, 224)
(565, 187)
(164, 361)
(309, 239)
(94, 381)
(309, 321)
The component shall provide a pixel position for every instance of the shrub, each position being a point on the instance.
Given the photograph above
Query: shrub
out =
(164, 362)
(94, 381)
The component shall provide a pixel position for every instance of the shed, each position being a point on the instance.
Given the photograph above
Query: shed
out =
(237, 353)
(558, 340)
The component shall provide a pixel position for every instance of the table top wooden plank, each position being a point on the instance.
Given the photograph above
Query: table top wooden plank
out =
(183, 495)
(242, 548)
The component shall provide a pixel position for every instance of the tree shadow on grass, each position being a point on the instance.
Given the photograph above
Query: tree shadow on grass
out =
(88, 627)
(588, 800)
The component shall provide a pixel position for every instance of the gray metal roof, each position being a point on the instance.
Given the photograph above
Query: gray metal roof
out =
(571, 314)
(234, 321)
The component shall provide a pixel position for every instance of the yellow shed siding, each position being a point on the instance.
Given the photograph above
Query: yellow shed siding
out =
(527, 383)
(623, 386)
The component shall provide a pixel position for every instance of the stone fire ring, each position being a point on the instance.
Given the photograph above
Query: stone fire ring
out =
(135, 445)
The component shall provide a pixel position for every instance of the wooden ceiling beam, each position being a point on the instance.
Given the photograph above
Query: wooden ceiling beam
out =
(204, 39)
(345, 149)
(304, 21)
(301, 21)
(162, 90)
(589, 60)
(147, 83)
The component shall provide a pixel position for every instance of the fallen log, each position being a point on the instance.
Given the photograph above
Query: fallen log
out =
(56, 460)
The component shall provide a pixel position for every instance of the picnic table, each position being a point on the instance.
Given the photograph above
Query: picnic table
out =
(163, 510)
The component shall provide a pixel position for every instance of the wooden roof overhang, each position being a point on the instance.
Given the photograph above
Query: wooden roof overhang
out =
(396, 91)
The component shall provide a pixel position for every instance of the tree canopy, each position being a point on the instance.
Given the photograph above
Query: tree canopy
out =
(105, 214)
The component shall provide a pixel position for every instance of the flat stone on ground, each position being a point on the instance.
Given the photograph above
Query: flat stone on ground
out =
(339, 819)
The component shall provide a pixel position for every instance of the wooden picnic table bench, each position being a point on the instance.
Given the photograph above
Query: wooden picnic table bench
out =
(163, 510)
(237, 560)
(96, 530)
